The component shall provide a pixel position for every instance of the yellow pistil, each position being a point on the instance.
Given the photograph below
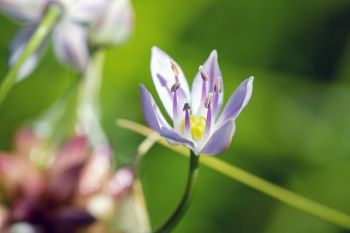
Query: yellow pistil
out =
(197, 127)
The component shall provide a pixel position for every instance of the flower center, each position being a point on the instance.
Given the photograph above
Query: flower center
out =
(197, 126)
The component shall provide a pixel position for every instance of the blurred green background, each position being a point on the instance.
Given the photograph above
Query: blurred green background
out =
(295, 131)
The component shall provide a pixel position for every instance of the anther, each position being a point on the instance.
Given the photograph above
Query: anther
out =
(186, 107)
(175, 87)
(204, 73)
(218, 86)
(208, 100)
(174, 68)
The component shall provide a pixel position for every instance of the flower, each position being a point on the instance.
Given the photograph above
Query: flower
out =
(78, 189)
(71, 34)
(114, 25)
(197, 122)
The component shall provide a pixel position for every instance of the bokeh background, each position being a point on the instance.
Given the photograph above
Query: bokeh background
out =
(295, 131)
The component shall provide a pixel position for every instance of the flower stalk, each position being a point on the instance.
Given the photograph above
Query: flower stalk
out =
(180, 211)
(54, 12)
(290, 198)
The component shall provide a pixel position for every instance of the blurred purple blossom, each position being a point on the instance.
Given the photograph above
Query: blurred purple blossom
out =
(197, 122)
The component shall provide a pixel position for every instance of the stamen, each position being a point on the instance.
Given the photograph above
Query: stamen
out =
(186, 107)
(175, 70)
(205, 78)
(175, 87)
(217, 92)
(208, 100)
(187, 129)
(209, 118)
(218, 86)
(204, 73)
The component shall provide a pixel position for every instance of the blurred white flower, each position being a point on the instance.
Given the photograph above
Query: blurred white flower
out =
(104, 21)
(114, 25)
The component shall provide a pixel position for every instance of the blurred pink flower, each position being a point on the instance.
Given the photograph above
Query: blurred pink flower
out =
(77, 189)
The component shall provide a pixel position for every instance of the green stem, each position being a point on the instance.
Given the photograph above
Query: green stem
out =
(88, 103)
(290, 198)
(180, 211)
(53, 14)
(57, 119)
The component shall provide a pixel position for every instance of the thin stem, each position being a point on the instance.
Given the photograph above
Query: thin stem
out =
(180, 211)
(290, 198)
(50, 123)
(53, 14)
(88, 107)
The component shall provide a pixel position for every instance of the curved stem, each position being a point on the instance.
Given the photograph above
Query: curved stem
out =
(53, 14)
(244, 177)
(180, 211)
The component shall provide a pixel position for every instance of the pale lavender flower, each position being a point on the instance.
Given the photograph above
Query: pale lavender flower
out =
(70, 35)
(114, 25)
(197, 122)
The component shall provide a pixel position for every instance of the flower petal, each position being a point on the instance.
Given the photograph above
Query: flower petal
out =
(211, 65)
(238, 100)
(71, 219)
(121, 182)
(70, 43)
(16, 48)
(151, 112)
(175, 138)
(97, 170)
(86, 11)
(18, 174)
(114, 25)
(74, 152)
(27, 10)
(59, 189)
(220, 139)
(164, 78)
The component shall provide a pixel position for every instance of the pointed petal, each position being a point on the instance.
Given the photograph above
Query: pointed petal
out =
(151, 112)
(62, 187)
(75, 151)
(16, 48)
(164, 78)
(114, 25)
(71, 219)
(4, 217)
(176, 138)
(25, 141)
(121, 182)
(211, 65)
(27, 10)
(70, 43)
(220, 139)
(238, 100)
(86, 11)
(97, 171)
(18, 174)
